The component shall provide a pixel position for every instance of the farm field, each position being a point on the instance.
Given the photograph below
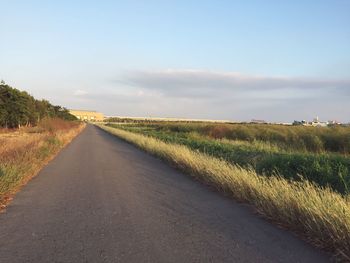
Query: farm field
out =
(288, 179)
(25, 151)
(320, 155)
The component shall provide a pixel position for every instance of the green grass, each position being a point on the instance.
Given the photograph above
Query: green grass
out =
(322, 215)
(266, 158)
(295, 138)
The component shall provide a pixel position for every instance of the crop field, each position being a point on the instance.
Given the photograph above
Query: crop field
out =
(23, 152)
(320, 155)
(302, 188)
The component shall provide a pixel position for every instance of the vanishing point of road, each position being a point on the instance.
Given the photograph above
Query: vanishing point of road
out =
(103, 200)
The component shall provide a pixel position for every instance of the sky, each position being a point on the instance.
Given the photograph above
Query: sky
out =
(235, 60)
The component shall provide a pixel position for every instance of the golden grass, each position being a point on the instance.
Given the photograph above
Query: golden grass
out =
(16, 143)
(320, 214)
(23, 154)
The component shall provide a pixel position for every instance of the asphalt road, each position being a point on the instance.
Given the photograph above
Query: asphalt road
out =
(103, 200)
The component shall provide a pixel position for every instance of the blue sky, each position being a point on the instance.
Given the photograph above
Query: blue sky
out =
(238, 60)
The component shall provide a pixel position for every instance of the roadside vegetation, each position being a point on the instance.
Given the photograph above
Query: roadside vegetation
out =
(293, 138)
(32, 132)
(263, 151)
(24, 152)
(319, 213)
(18, 108)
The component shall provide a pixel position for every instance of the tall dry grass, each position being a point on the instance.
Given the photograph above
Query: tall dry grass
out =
(56, 124)
(322, 215)
(300, 138)
(24, 152)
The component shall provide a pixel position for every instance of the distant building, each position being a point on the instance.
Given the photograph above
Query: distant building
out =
(334, 123)
(317, 123)
(86, 115)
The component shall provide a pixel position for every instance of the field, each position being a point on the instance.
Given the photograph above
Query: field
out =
(23, 152)
(299, 182)
(320, 155)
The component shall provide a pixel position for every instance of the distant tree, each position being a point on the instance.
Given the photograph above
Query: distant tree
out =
(3, 110)
(18, 108)
(296, 123)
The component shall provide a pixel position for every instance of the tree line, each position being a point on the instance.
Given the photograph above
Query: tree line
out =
(18, 108)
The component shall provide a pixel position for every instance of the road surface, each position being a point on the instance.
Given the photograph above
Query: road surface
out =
(103, 200)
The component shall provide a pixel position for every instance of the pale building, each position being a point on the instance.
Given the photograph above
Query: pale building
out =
(86, 115)
(317, 123)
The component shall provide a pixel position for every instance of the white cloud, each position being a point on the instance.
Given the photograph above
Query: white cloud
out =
(80, 92)
(200, 83)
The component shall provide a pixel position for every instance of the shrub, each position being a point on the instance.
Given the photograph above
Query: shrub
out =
(312, 142)
(55, 124)
(219, 131)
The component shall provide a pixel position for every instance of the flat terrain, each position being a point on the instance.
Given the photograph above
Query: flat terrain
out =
(103, 200)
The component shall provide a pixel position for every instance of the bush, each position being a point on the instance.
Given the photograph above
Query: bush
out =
(312, 142)
(219, 132)
(55, 124)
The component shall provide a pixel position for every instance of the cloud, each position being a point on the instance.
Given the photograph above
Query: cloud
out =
(80, 92)
(211, 84)
(218, 95)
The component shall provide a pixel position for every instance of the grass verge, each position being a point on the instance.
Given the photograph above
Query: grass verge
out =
(24, 154)
(322, 215)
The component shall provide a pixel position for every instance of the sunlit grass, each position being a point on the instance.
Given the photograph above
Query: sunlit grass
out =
(24, 152)
(293, 138)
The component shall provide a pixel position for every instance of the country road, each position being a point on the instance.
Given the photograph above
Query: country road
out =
(103, 200)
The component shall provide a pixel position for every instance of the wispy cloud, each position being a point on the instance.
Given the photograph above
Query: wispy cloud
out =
(80, 92)
(199, 83)
(222, 95)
